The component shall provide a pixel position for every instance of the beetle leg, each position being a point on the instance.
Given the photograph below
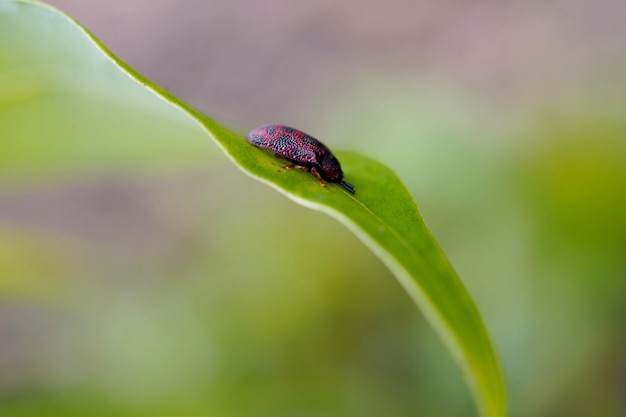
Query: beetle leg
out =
(318, 176)
(292, 166)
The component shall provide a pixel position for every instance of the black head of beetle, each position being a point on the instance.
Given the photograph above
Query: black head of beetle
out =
(330, 170)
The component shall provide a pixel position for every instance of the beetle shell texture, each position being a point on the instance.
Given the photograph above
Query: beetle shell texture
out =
(303, 150)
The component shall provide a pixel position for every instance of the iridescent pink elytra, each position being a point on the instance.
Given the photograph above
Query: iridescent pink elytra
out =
(304, 151)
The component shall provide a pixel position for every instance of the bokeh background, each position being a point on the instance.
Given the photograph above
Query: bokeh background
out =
(199, 292)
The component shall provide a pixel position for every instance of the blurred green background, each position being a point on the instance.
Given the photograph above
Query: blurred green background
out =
(142, 274)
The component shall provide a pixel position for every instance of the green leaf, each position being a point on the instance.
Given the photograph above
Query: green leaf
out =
(66, 107)
(382, 213)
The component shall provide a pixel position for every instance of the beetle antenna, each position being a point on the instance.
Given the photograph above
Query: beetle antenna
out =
(347, 186)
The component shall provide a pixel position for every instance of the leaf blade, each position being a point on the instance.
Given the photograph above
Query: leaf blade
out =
(382, 214)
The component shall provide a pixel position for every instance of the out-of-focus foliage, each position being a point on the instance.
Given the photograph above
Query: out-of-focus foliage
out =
(75, 114)
(531, 212)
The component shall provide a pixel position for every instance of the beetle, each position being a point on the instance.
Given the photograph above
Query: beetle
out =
(302, 150)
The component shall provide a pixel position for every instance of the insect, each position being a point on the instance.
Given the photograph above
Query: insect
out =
(304, 151)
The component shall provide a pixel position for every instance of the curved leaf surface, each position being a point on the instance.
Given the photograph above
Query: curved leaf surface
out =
(382, 213)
